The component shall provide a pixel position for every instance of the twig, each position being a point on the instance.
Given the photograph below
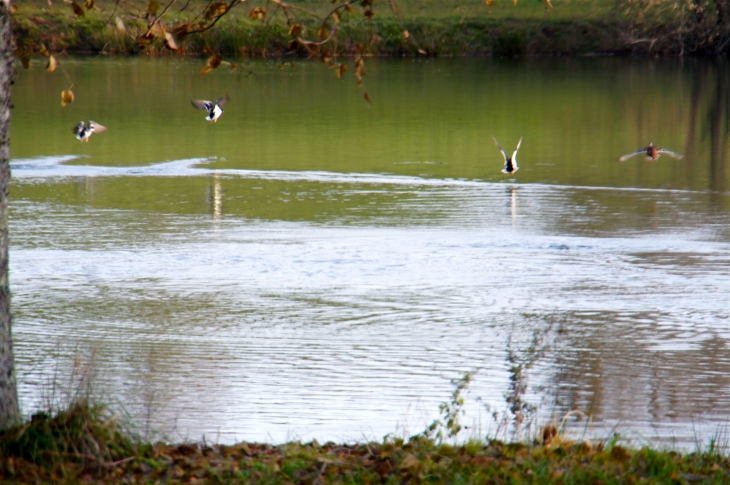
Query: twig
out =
(119, 462)
(183, 7)
(116, 4)
(207, 27)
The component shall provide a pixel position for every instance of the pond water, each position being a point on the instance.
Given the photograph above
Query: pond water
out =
(314, 266)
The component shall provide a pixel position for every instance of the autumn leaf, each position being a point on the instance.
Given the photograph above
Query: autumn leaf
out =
(213, 62)
(153, 7)
(369, 14)
(219, 8)
(120, 25)
(181, 31)
(216, 10)
(78, 10)
(51, 66)
(422, 52)
(229, 64)
(341, 70)
(24, 56)
(67, 96)
(489, 3)
(143, 40)
(157, 29)
(337, 16)
(88, 4)
(13, 9)
(257, 14)
(393, 7)
(44, 52)
(514, 2)
(296, 30)
(406, 34)
(322, 33)
(170, 41)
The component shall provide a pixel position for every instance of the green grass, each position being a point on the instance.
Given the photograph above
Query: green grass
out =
(85, 444)
(82, 433)
(435, 27)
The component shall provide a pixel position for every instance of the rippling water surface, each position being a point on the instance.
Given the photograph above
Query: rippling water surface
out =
(314, 267)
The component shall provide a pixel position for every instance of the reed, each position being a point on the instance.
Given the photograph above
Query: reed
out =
(82, 433)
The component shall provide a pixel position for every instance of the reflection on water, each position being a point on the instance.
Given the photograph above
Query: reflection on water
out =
(327, 282)
(513, 204)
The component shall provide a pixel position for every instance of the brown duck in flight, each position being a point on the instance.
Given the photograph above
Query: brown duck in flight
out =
(652, 153)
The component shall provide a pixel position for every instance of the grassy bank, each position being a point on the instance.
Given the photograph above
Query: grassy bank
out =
(86, 444)
(434, 27)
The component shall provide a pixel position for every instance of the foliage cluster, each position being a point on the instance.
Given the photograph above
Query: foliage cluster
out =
(308, 28)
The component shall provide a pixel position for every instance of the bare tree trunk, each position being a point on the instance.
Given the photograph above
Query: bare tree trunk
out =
(8, 391)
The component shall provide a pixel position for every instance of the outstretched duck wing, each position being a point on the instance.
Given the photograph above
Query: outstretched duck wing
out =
(500, 148)
(670, 153)
(201, 104)
(222, 101)
(96, 127)
(623, 158)
(514, 155)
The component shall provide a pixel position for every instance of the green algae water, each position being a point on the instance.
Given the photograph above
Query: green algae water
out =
(317, 266)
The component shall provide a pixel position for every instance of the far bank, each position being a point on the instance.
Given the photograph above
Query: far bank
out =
(431, 28)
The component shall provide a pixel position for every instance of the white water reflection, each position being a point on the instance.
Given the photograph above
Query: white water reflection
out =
(236, 328)
(55, 167)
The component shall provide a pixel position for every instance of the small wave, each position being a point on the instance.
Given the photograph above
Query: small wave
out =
(41, 162)
(53, 166)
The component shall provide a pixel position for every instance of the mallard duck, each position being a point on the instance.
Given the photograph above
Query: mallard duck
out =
(510, 163)
(83, 132)
(214, 109)
(652, 153)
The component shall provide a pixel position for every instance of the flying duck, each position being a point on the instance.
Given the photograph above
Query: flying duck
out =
(652, 153)
(83, 132)
(214, 109)
(510, 163)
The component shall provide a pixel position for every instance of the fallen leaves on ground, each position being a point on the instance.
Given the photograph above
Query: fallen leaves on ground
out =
(394, 461)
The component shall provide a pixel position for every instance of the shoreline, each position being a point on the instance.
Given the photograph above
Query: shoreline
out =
(88, 443)
(486, 36)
